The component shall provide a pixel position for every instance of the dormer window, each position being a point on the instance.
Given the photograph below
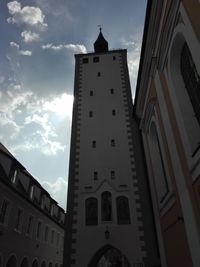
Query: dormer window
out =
(42, 202)
(52, 210)
(13, 180)
(31, 192)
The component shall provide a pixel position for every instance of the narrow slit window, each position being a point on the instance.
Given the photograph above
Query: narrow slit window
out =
(95, 59)
(39, 226)
(113, 143)
(29, 226)
(112, 174)
(113, 112)
(91, 93)
(114, 57)
(18, 221)
(85, 60)
(94, 144)
(98, 73)
(90, 114)
(112, 91)
(46, 233)
(52, 236)
(95, 175)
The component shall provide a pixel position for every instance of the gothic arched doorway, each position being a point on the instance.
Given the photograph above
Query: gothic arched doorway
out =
(108, 256)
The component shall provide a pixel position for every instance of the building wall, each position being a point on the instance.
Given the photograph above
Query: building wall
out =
(171, 133)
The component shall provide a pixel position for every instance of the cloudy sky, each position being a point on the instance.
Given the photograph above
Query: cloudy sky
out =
(38, 41)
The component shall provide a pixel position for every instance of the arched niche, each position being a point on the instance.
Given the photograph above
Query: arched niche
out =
(24, 263)
(43, 264)
(12, 262)
(35, 263)
(109, 256)
(91, 211)
(106, 206)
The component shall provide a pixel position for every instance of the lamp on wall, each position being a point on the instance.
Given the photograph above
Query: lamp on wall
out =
(107, 233)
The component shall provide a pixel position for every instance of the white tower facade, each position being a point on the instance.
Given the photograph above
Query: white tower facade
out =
(105, 221)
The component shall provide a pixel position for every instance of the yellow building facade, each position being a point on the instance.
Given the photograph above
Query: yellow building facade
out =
(167, 104)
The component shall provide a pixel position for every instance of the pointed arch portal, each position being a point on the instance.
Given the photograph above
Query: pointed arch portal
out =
(108, 256)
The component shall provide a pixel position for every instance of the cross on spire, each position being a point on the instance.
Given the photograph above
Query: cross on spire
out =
(100, 28)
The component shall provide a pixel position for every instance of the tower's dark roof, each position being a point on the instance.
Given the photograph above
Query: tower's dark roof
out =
(100, 45)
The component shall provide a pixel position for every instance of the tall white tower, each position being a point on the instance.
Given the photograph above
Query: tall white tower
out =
(109, 220)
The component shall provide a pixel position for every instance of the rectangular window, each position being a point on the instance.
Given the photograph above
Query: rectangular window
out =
(58, 239)
(95, 59)
(114, 57)
(98, 74)
(90, 114)
(112, 174)
(95, 175)
(112, 142)
(4, 211)
(91, 93)
(39, 226)
(112, 91)
(85, 60)
(94, 144)
(113, 112)
(52, 236)
(18, 222)
(29, 226)
(46, 233)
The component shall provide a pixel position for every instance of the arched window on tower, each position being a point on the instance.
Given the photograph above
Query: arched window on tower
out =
(91, 211)
(123, 211)
(106, 206)
(191, 79)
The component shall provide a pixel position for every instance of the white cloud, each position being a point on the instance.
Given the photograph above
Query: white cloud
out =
(29, 36)
(44, 112)
(20, 52)
(77, 48)
(57, 190)
(61, 105)
(14, 7)
(13, 44)
(29, 15)
(25, 53)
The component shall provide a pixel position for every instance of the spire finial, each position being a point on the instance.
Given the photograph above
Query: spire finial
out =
(100, 28)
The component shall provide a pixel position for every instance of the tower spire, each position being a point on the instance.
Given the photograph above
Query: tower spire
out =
(100, 45)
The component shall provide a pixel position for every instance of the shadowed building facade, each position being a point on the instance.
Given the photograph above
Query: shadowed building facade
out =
(168, 106)
(31, 222)
(109, 216)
